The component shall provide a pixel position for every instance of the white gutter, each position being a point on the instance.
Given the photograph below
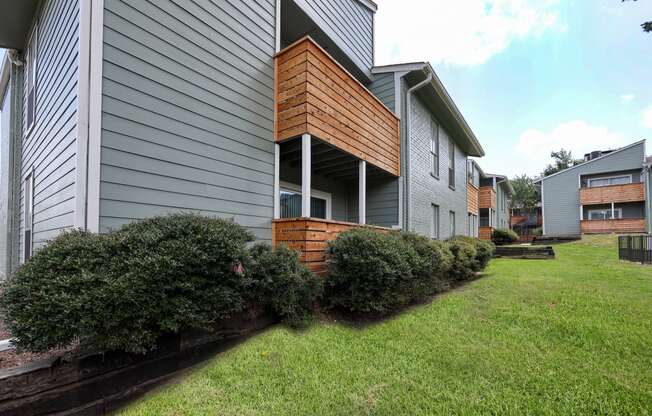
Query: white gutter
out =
(408, 163)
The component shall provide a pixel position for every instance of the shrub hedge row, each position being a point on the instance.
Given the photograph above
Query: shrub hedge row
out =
(123, 290)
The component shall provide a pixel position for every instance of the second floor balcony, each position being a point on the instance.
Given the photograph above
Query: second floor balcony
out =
(315, 95)
(632, 192)
(487, 197)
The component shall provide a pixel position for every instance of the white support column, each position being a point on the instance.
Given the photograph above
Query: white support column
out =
(613, 211)
(305, 174)
(277, 187)
(581, 212)
(362, 192)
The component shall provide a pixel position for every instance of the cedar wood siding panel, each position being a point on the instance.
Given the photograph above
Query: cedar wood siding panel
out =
(49, 149)
(347, 23)
(426, 189)
(383, 87)
(561, 200)
(187, 121)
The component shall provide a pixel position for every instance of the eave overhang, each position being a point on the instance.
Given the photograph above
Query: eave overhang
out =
(15, 22)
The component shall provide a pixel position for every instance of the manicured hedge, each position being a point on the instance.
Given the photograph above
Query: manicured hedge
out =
(373, 272)
(123, 290)
(504, 235)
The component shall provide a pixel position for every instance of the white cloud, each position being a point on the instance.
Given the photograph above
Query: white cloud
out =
(532, 150)
(647, 117)
(627, 97)
(463, 32)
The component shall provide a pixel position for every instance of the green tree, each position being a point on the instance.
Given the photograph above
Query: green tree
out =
(562, 159)
(647, 26)
(525, 193)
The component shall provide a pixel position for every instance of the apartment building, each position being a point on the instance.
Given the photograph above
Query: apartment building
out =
(489, 199)
(604, 194)
(270, 113)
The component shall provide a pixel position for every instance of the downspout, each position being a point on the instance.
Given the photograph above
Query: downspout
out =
(408, 135)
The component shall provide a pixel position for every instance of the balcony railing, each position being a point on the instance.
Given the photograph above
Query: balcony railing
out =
(619, 226)
(633, 192)
(487, 197)
(315, 95)
(310, 236)
(472, 198)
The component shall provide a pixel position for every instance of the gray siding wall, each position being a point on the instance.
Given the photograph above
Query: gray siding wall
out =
(349, 24)
(635, 173)
(383, 87)
(561, 201)
(425, 188)
(502, 208)
(382, 202)
(49, 149)
(187, 121)
(629, 209)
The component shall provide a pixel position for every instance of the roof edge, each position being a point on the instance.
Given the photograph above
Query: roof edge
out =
(629, 146)
(369, 4)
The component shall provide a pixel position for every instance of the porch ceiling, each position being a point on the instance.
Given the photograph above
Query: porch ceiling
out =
(15, 22)
(328, 161)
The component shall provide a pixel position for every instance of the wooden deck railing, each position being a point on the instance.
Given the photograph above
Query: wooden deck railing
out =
(633, 192)
(316, 95)
(310, 236)
(487, 197)
(472, 199)
(620, 226)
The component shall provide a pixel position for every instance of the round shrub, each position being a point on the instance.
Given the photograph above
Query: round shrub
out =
(484, 251)
(464, 259)
(370, 272)
(504, 236)
(124, 290)
(278, 277)
(47, 302)
(435, 261)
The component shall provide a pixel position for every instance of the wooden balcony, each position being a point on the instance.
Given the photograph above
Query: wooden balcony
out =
(315, 95)
(633, 192)
(310, 236)
(487, 197)
(472, 199)
(485, 233)
(620, 226)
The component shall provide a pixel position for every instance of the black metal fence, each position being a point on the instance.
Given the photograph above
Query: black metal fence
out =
(636, 248)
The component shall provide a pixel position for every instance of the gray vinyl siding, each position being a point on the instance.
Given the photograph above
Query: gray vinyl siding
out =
(187, 116)
(561, 205)
(349, 24)
(49, 149)
(629, 209)
(382, 202)
(425, 189)
(502, 208)
(383, 87)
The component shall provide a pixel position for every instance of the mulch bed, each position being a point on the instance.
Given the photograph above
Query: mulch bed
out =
(12, 358)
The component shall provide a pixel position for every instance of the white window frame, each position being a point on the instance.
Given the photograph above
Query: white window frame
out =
(609, 178)
(296, 189)
(451, 164)
(451, 219)
(604, 211)
(434, 149)
(28, 215)
(435, 222)
(31, 77)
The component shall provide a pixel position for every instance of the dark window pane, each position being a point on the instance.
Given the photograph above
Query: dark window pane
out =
(318, 208)
(290, 205)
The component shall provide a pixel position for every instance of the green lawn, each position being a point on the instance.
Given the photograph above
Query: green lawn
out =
(568, 336)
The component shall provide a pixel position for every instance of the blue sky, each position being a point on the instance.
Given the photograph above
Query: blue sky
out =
(532, 76)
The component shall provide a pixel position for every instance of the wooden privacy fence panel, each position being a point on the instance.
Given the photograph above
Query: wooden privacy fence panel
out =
(487, 197)
(473, 199)
(317, 96)
(633, 192)
(636, 248)
(310, 236)
(625, 225)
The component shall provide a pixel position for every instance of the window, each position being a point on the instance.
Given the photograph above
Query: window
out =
(30, 75)
(451, 163)
(320, 206)
(434, 148)
(452, 223)
(470, 172)
(473, 225)
(434, 227)
(28, 200)
(605, 214)
(615, 180)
